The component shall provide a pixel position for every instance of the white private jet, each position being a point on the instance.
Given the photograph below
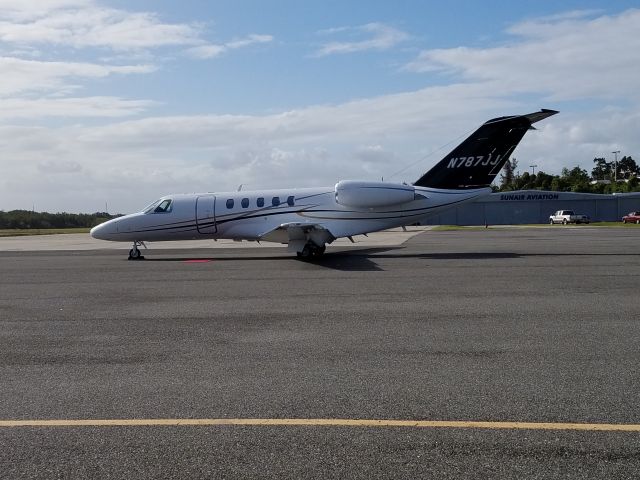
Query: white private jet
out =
(308, 219)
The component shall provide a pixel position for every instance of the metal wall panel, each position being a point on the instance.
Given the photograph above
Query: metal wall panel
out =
(532, 206)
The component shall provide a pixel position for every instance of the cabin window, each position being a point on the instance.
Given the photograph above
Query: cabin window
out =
(260, 202)
(275, 201)
(244, 202)
(230, 203)
(290, 200)
(163, 207)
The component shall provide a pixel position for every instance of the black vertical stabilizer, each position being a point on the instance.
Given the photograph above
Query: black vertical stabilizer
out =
(476, 161)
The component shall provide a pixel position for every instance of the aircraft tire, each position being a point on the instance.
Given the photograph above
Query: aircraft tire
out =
(305, 253)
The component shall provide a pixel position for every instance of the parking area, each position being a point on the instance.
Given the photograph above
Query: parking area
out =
(501, 326)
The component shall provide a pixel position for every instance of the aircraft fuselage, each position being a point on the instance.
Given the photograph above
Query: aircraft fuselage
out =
(250, 215)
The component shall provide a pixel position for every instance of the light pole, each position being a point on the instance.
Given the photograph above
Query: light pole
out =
(533, 169)
(615, 172)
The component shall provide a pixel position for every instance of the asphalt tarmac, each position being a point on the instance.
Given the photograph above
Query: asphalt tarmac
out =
(496, 325)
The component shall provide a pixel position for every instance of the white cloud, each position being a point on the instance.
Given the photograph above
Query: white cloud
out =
(20, 76)
(378, 37)
(360, 121)
(249, 40)
(129, 163)
(34, 31)
(86, 24)
(26, 9)
(212, 50)
(569, 15)
(564, 58)
(206, 51)
(314, 146)
(53, 167)
(373, 154)
(70, 107)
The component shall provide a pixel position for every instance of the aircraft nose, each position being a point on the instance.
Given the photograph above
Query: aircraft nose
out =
(104, 231)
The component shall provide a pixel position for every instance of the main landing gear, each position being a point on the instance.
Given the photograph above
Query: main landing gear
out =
(134, 253)
(311, 250)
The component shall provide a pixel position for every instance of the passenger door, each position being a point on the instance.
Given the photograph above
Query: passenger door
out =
(206, 214)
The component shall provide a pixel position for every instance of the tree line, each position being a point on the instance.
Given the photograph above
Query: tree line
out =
(22, 219)
(605, 177)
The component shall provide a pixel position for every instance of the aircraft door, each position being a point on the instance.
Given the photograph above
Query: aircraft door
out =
(206, 214)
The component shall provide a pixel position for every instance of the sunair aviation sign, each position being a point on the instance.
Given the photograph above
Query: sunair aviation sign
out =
(513, 197)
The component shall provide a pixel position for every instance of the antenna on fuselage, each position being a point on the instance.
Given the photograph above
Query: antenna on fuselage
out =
(240, 186)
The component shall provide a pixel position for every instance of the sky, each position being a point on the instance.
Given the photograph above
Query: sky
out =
(110, 104)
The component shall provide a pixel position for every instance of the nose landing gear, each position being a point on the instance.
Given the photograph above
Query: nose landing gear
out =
(134, 253)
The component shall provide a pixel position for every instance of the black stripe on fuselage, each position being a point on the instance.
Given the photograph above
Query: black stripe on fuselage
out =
(416, 212)
(195, 225)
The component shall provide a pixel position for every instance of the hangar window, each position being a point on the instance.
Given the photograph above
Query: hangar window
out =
(244, 202)
(260, 202)
(290, 200)
(230, 203)
(275, 201)
(163, 207)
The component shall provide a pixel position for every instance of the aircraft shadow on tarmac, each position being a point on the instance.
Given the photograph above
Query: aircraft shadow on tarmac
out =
(364, 259)
(351, 259)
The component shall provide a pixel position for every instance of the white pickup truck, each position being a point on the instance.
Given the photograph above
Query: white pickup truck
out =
(568, 216)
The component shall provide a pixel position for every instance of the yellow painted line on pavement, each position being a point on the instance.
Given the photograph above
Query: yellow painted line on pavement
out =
(324, 422)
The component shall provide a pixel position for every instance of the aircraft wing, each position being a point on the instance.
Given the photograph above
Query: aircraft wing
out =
(297, 235)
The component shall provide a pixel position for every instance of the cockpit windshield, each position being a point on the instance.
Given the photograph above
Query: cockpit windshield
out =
(150, 207)
(159, 206)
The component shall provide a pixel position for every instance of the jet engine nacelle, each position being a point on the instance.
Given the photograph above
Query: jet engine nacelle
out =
(358, 194)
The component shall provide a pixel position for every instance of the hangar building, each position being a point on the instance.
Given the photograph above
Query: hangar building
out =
(535, 206)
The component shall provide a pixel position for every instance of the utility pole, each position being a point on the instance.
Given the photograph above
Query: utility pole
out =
(533, 169)
(615, 172)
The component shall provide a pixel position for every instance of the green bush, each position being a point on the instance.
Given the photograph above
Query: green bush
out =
(16, 219)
